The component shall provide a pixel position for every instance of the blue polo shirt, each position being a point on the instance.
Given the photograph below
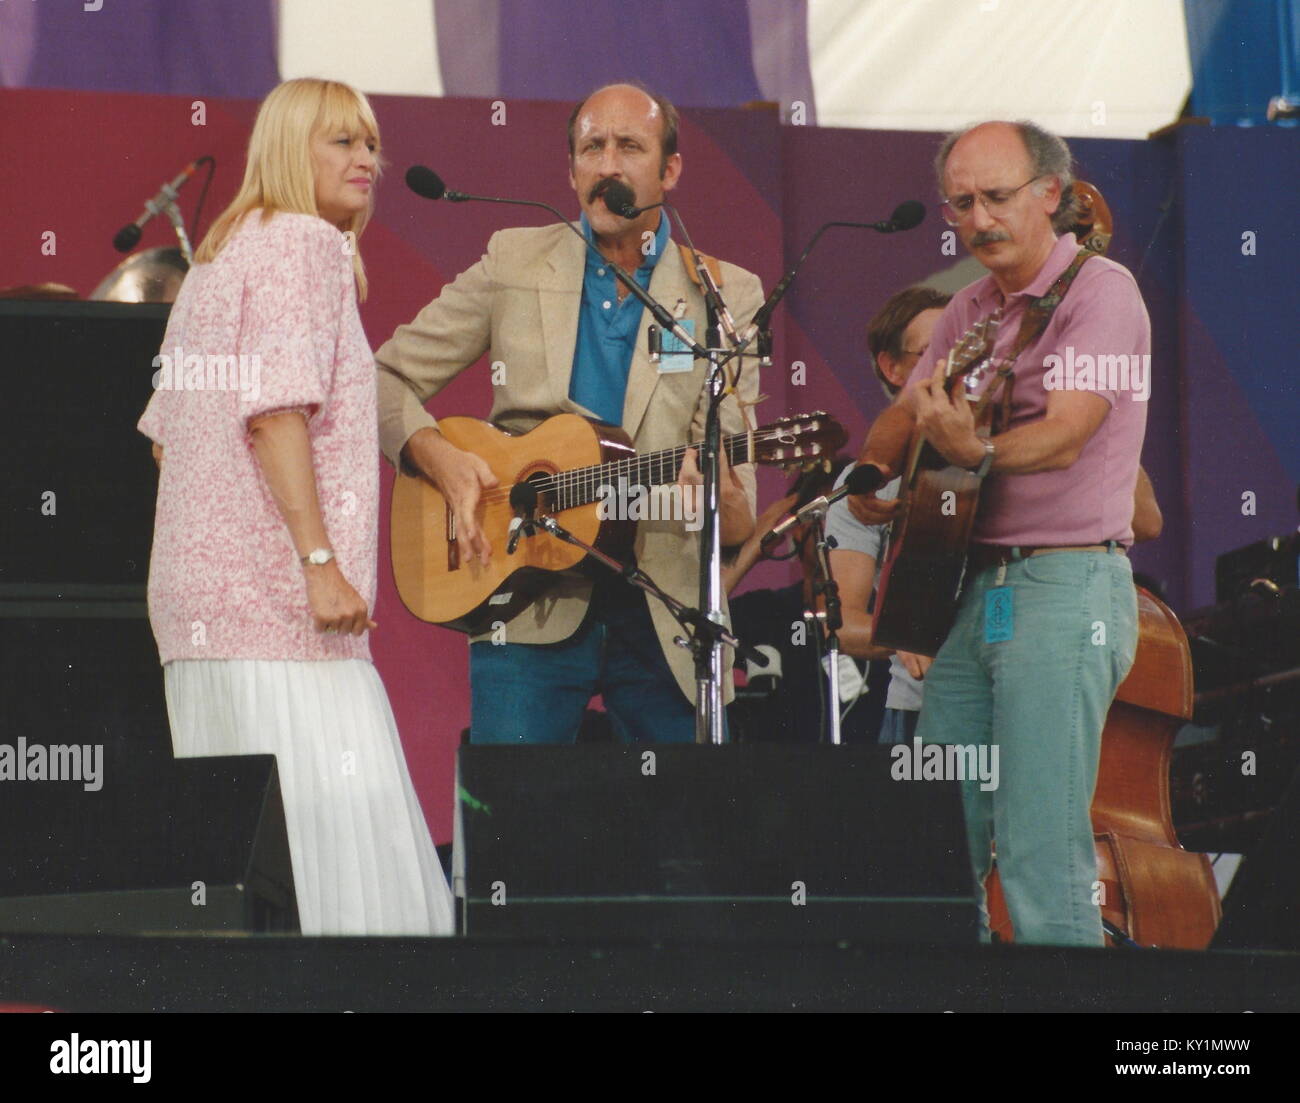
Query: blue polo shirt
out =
(607, 329)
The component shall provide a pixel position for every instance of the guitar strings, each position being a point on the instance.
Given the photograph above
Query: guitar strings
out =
(596, 475)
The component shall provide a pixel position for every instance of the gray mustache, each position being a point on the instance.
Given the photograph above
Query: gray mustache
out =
(988, 237)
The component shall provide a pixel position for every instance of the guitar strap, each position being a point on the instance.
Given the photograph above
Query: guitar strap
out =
(711, 263)
(1037, 314)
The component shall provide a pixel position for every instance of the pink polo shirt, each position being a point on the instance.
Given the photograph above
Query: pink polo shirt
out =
(270, 324)
(1098, 340)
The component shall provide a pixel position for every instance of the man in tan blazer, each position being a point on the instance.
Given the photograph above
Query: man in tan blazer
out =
(567, 339)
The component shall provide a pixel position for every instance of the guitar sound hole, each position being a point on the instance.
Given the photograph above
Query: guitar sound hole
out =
(539, 477)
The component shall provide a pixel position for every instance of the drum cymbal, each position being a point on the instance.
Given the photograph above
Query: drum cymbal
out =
(149, 276)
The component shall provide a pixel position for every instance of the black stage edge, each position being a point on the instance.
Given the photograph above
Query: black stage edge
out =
(290, 973)
(678, 843)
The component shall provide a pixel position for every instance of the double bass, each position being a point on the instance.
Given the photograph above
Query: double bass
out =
(1151, 891)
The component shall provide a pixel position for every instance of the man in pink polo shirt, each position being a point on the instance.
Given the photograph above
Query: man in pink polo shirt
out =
(1047, 625)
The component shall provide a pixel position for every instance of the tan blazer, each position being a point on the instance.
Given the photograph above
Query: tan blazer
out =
(521, 302)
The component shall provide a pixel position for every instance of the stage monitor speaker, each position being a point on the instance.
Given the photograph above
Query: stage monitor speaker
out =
(79, 664)
(192, 844)
(77, 481)
(1262, 908)
(689, 841)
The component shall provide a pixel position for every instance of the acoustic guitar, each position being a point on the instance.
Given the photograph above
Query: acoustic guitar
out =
(916, 597)
(588, 476)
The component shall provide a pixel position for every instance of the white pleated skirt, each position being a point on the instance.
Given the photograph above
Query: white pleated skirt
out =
(363, 859)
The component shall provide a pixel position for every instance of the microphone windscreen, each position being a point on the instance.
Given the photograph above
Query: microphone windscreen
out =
(619, 199)
(907, 214)
(425, 182)
(126, 238)
(865, 478)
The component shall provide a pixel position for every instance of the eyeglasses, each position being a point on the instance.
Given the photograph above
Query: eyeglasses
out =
(956, 209)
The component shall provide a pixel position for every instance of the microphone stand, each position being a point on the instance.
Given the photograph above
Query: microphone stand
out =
(830, 621)
(178, 224)
(691, 619)
(709, 666)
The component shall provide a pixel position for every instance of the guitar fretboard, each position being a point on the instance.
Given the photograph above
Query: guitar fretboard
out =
(581, 485)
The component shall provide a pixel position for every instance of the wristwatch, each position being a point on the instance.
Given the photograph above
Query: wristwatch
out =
(987, 462)
(318, 557)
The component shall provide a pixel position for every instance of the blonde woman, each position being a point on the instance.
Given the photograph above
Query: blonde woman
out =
(262, 574)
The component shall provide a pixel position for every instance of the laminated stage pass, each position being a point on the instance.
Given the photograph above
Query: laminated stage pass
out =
(674, 356)
(999, 621)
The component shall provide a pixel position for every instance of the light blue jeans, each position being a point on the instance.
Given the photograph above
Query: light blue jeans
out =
(1039, 698)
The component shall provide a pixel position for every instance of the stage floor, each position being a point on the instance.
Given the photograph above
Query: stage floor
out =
(251, 973)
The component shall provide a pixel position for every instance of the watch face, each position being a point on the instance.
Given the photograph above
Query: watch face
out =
(320, 557)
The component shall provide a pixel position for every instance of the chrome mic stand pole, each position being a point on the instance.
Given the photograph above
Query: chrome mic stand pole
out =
(709, 671)
(173, 213)
(832, 620)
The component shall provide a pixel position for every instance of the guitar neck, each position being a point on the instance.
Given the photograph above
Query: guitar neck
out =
(581, 485)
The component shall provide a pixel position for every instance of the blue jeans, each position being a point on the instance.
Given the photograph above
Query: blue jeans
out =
(523, 693)
(899, 726)
(1040, 699)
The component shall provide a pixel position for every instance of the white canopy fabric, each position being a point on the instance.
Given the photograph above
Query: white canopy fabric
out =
(384, 47)
(1097, 69)
(1082, 68)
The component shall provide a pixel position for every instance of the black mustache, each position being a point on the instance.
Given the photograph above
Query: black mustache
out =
(602, 186)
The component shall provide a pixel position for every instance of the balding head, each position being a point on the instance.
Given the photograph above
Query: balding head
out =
(632, 100)
(1043, 153)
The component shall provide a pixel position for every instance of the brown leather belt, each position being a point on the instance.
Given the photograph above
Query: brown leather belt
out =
(995, 555)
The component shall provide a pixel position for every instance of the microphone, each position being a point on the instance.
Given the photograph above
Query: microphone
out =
(907, 215)
(428, 184)
(618, 198)
(425, 182)
(128, 237)
(523, 500)
(863, 479)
